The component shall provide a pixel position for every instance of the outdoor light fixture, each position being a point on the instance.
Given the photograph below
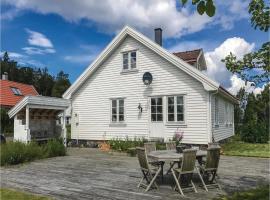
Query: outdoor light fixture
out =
(147, 78)
(140, 108)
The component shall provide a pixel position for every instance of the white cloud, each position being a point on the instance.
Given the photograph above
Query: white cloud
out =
(22, 59)
(215, 68)
(87, 55)
(38, 39)
(110, 16)
(12, 55)
(34, 50)
(237, 83)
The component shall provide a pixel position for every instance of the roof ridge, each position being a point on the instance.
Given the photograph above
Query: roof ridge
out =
(188, 51)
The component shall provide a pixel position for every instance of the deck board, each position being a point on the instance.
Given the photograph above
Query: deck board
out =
(91, 174)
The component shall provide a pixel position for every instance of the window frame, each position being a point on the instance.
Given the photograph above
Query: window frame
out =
(16, 91)
(175, 121)
(156, 113)
(129, 65)
(117, 111)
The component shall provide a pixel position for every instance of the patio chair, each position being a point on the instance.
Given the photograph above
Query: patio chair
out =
(170, 146)
(185, 172)
(149, 173)
(151, 146)
(208, 170)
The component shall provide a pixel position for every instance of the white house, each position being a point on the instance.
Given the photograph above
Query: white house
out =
(111, 99)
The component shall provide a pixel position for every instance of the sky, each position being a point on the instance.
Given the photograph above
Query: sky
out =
(69, 35)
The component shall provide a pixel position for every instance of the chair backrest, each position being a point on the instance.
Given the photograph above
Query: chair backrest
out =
(188, 161)
(142, 157)
(212, 158)
(170, 146)
(150, 146)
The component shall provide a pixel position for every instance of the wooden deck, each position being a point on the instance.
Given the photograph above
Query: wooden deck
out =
(91, 174)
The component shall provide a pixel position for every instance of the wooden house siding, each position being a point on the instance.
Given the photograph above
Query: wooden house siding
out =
(91, 102)
(223, 130)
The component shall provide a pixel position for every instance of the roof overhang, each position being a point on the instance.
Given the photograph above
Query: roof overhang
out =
(226, 94)
(208, 84)
(39, 102)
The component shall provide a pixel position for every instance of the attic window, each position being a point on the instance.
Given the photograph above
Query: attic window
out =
(129, 60)
(16, 91)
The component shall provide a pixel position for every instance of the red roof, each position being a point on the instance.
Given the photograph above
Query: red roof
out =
(7, 96)
(189, 56)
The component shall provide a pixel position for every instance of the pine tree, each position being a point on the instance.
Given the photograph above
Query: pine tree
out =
(61, 85)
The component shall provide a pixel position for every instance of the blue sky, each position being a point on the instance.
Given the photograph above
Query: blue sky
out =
(68, 36)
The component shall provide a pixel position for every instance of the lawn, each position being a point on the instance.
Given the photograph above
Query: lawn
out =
(260, 193)
(239, 148)
(8, 194)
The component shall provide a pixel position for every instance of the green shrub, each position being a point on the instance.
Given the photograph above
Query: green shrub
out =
(255, 132)
(13, 153)
(68, 127)
(55, 147)
(16, 152)
(125, 145)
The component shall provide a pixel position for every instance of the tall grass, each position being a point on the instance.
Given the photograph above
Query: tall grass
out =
(13, 153)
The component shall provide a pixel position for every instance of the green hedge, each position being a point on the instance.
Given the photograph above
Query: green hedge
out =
(13, 153)
(128, 145)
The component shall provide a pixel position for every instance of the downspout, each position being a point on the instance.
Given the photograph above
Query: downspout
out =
(210, 111)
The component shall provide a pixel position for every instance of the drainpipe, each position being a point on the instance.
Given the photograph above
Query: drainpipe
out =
(210, 110)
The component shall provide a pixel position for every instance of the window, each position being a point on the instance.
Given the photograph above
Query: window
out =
(129, 60)
(175, 108)
(216, 111)
(156, 109)
(226, 113)
(118, 110)
(16, 91)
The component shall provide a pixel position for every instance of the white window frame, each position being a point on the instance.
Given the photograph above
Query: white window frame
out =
(175, 109)
(16, 91)
(216, 111)
(117, 111)
(156, 113)
(231, 111)
(129, 60)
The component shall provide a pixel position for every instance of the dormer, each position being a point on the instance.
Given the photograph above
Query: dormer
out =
(194, 58)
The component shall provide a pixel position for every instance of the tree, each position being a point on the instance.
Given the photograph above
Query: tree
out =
(239, 110)
(61, 85)
(248, 67)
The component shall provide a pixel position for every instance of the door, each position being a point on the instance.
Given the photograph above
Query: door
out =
(156, 117)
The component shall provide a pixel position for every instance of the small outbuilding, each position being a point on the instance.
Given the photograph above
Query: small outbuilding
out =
(35, 118)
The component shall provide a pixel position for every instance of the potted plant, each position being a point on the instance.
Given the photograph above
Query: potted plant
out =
(178, 136)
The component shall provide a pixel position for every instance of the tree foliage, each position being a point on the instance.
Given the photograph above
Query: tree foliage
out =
(203, 6)
(254, 66)
(61, 84)
(45, 83)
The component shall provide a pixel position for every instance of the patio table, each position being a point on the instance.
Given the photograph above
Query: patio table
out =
(172, 155)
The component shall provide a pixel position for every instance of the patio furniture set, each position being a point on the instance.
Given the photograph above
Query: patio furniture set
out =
(182, 166)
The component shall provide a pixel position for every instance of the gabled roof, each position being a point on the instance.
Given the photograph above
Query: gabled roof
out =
(40, 102)
(208, 84)
(8, 97)
(189, 56)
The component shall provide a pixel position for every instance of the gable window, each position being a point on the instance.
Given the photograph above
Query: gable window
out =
(156, 109)
(216, 111)
(117, 110)
(175, 108)
(16, 91)
(129, 60)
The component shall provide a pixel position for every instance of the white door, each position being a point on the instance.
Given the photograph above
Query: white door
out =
(156, 117)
